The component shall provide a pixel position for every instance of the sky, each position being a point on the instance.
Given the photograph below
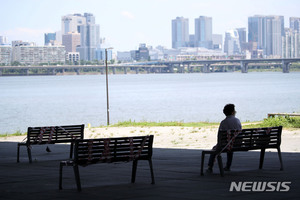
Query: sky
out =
(127, 23)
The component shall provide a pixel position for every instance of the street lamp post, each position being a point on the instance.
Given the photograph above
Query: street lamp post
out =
(107, 99)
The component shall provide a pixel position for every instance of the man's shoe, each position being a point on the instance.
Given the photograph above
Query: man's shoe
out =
(209, 170)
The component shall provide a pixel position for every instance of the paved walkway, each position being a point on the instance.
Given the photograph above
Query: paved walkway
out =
(177, 175)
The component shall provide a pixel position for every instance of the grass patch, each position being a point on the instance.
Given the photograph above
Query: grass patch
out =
(17, 133)
(172, 123)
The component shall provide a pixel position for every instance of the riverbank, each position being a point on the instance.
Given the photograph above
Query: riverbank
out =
(179, 137)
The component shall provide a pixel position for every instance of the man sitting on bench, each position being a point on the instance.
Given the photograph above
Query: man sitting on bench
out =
(229, 123)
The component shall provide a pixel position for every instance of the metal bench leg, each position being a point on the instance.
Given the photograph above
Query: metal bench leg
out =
(71, 150)
(262, 156)
(220, 163)
(77, 177)
(134, 166)
(29, 154)
(280, 158)
(18, 153)
(202, 163)
(152, 173)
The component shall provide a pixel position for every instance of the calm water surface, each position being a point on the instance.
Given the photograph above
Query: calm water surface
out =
(60, 100)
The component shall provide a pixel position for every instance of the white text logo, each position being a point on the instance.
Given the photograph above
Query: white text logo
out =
(260, 186)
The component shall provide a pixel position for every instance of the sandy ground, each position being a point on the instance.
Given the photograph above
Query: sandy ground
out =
(177, 137)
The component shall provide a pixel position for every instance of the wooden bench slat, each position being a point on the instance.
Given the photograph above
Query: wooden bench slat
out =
(245, 140)
(51, 135)
(108, 150)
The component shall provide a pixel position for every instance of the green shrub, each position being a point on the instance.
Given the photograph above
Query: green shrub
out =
(286, 121)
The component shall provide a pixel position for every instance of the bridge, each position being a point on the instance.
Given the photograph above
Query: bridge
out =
(242, 63)
(205, 66)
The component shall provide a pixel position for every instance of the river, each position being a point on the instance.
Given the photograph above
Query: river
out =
(60, 100)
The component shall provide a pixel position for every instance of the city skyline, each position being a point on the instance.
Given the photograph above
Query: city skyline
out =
(126, 24)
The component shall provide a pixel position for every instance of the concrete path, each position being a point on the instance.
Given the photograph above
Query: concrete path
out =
(177, 176)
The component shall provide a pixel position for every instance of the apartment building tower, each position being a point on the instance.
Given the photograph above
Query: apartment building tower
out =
(295, 24)
(266, 32)
(203, 32)
(291, 44)
(89, 38)
(30, 54)
(232, 42)
(242, 38)
(180, 32)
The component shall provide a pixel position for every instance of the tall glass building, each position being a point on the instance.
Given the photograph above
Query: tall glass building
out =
(232, 42)
(89, 38)
(267, 33)
(180, 32)
(256, 31)
(243, 38)
(203, 32)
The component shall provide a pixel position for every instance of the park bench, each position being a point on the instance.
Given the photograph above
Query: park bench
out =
(245, 140)
(51, 135)
(109, 150)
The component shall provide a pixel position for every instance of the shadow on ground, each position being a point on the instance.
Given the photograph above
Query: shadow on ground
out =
(177, 176)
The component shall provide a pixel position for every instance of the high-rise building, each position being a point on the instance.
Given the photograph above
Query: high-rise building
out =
(242, 38)
(77, 27)
(232, 42)
(203, 32)
(291, 44)
(50, 38)
(71, 23)
(89, 38)
(256, 31)
(266, 32)
(71, 41)
(180, 32)
(295, 24)
(274, 34)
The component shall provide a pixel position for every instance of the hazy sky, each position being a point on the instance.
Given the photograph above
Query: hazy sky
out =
(126, 23)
